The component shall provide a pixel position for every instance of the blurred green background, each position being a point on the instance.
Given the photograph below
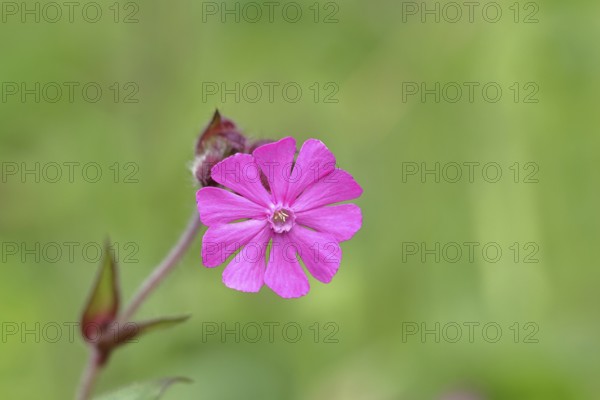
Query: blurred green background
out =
(374, 47)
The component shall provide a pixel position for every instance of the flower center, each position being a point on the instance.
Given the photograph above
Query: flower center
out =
(282, 220)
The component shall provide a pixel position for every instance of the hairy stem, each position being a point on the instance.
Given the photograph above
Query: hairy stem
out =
(89, 376)
(163, 269)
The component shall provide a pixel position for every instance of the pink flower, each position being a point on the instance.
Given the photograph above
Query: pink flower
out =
(293, 213)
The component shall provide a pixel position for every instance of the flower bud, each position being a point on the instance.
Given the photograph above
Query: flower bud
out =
(219, 140)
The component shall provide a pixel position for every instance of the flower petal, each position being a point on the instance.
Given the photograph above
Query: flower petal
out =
(276, 160)
(284, 274)
(219, 206)
(221, 241)
(332, 188)
(320, 252)
(341, 221)
(314, 161)
(241, 174)
(246, 271)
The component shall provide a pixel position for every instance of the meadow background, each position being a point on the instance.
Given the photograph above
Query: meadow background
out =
(170, 54)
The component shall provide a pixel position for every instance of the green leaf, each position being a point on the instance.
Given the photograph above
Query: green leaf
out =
(103, 304)
(152, 390)
(132, 330)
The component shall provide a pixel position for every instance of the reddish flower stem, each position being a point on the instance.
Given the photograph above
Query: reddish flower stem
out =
(163, 269)
(89, 376)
